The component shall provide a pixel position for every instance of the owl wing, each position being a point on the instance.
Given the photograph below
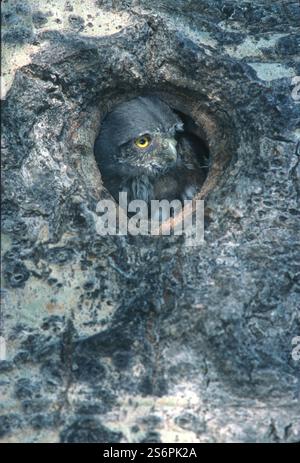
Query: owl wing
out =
(193, 168)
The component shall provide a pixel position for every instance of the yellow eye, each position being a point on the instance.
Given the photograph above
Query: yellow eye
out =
(143, 141)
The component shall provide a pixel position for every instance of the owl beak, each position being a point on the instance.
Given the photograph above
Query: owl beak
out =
(169, 149)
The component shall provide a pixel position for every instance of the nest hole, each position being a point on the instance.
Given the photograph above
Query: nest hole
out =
(197, 127)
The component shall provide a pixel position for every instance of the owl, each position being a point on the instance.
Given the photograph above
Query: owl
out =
(143, 149)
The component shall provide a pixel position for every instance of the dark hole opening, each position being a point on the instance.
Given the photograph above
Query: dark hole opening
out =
(192, 162)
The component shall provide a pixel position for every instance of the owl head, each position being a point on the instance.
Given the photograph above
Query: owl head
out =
(138, 138)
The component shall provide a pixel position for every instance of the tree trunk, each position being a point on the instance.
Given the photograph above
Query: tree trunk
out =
(146, 339)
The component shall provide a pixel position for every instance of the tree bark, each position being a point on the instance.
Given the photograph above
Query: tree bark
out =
(124, 339)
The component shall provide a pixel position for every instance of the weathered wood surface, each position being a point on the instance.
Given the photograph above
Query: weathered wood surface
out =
(111, 339)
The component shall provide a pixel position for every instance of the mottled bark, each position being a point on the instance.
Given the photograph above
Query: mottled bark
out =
(114, 339)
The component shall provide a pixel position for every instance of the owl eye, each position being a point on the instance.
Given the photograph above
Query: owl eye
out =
(143, 141)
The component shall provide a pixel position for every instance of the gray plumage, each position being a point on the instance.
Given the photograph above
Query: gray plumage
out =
(142, 149)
